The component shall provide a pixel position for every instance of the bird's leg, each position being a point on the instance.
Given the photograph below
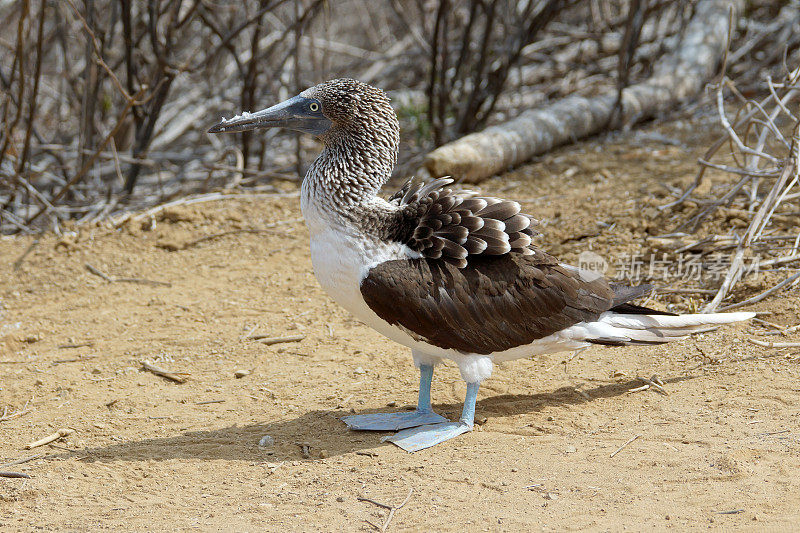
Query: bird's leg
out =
(425, 380)
(419, 438)
(394, 421)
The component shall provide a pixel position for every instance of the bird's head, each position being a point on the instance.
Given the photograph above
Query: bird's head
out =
(343, 105)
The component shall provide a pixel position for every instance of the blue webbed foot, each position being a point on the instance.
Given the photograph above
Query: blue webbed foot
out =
(392, 421)
(419, 438)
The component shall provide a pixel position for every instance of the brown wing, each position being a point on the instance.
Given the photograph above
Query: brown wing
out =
(450, 224)
(490, 305)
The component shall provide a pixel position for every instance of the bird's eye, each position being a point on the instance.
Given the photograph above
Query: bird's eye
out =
(313, 106)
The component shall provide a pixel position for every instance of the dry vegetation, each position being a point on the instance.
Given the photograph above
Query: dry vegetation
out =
(104, 103)
(764, 156)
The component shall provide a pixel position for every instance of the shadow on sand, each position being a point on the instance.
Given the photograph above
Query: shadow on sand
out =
(322, 430)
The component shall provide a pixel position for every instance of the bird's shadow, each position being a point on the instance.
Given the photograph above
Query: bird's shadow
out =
(323, 432)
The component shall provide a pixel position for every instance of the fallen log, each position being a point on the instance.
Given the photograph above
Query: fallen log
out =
(678, 76)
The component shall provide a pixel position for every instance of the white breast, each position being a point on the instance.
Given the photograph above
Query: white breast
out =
(342, 261)
(342, 257)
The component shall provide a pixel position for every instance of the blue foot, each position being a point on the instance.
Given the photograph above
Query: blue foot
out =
(392, 421)
(419, 438)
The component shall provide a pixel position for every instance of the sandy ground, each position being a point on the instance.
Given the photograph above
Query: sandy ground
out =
(720, 451)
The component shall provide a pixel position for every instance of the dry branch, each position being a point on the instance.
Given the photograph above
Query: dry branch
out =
(766, 204)
(61, 433)
(680, 75)
(763, 162)
(150, 367)
(774, 344)
(391, 508)
(16, 414)
(142, 281)
(759, 297)
(625, 445)
(22, 461)
(15, 475)
(278, 340)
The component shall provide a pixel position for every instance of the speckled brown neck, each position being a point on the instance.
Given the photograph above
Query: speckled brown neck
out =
(352, 168)
(356, 162)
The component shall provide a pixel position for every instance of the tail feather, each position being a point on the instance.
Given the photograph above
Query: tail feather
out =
(628, 308)
(624, 293)
(627, 323)
(613, 328)
(672, 321)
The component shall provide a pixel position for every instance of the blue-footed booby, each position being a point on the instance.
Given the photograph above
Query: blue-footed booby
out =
(446, 272)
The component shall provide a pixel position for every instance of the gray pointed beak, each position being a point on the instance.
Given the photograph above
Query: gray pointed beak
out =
(293, 114)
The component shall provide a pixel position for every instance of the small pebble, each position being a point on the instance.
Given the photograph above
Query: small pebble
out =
(266, 441)
(340, 499)
(550, 418)
(241, 373)
(571, 449)
(551, 496)
(514, 470)
(391, 404)
(360, 370)
(323, 454)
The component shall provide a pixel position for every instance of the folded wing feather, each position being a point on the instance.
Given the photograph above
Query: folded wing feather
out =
(454, 224)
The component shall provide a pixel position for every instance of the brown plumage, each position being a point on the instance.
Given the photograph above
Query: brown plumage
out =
(494, 304)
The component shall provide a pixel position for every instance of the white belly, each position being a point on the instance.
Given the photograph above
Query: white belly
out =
(342, 259)
(341, 263)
